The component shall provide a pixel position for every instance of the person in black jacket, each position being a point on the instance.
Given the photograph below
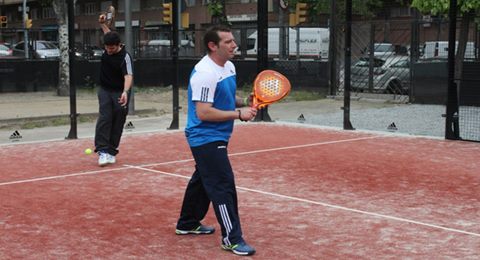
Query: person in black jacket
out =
(116, 78)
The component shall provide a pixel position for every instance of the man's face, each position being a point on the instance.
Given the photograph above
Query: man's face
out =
(112, 49)
(226, 46)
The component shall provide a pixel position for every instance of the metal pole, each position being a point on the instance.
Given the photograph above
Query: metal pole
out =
(332, 56)
(25, 29)
(174, 51)
(281, 36)
(129, 46)
(262, 58)
(451, 127)
(71, 59)
(347, 125)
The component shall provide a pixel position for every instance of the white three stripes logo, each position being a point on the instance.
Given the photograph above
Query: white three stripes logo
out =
(204, 96)
(226, 221)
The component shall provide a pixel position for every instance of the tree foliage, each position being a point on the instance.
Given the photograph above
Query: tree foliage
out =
(216, 8)
(441, 7)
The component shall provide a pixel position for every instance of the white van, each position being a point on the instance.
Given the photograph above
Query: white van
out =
(439, 50)
(314, 43)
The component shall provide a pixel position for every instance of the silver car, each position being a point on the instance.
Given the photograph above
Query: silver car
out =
(5, 50)
(39, 49)
(391, 76)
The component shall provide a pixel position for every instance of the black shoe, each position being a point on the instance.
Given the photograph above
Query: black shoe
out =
(200, 230)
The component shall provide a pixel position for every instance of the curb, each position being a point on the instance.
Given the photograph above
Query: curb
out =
(48, 120)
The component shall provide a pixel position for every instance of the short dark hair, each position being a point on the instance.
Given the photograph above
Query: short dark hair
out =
(211, 35)
(111, 38)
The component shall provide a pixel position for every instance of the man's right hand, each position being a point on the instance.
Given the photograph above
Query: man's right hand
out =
(247, 113)
(102, 18)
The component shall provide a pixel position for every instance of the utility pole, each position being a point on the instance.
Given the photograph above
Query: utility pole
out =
(25, 30)
(129, 46)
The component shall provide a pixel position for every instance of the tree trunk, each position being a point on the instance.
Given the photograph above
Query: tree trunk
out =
(60, 8)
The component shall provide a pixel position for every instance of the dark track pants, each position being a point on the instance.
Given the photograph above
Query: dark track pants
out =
(110, 121)
(213, 181)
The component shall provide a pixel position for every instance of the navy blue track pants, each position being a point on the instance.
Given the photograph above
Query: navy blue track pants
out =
(212, 181)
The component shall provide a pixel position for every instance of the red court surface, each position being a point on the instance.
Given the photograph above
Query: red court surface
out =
(304, 193)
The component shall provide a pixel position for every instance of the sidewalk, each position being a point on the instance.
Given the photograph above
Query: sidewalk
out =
(22, 113)
(45, 104)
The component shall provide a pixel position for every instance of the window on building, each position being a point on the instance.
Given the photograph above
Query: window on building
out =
(205, 2)
(48, 12)
(190, 3)
(77, 10)
(104, 5)
(239, 1)
(91, 8)
(400, 11)
(152, 4)
(34, 13)
(134, 4)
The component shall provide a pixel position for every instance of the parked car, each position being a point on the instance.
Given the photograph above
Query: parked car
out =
(161, 48)
(5, 50)
(389, 75)
(381, 50)
(95, 51)
(39, 50)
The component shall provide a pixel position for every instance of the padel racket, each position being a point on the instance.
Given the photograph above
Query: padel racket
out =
(108, 16)
(269, 86)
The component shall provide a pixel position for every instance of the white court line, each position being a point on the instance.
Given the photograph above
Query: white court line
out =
(61, 176)
(326, 205)
(259, 191)
(185, 160)
(272, 149)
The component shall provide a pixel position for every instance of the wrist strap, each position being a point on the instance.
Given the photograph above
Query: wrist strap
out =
(240, 115)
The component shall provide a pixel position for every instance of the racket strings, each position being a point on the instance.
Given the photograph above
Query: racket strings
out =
(270, 87)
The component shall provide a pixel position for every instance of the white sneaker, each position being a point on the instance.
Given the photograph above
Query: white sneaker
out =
(103, 159)
(111, 159)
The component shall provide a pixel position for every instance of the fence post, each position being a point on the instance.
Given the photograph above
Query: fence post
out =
(347, 125)
(451, 128)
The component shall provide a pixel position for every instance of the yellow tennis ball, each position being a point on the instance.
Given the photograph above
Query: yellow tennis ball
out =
(88, 151)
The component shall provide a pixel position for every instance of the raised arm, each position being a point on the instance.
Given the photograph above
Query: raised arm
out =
(103, 25)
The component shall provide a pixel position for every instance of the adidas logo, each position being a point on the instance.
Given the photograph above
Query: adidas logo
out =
(301, 118)
(392, 127)
(130, 125)
(15, 136)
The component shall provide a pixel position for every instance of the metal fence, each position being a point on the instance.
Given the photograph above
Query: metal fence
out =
(403, 61)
